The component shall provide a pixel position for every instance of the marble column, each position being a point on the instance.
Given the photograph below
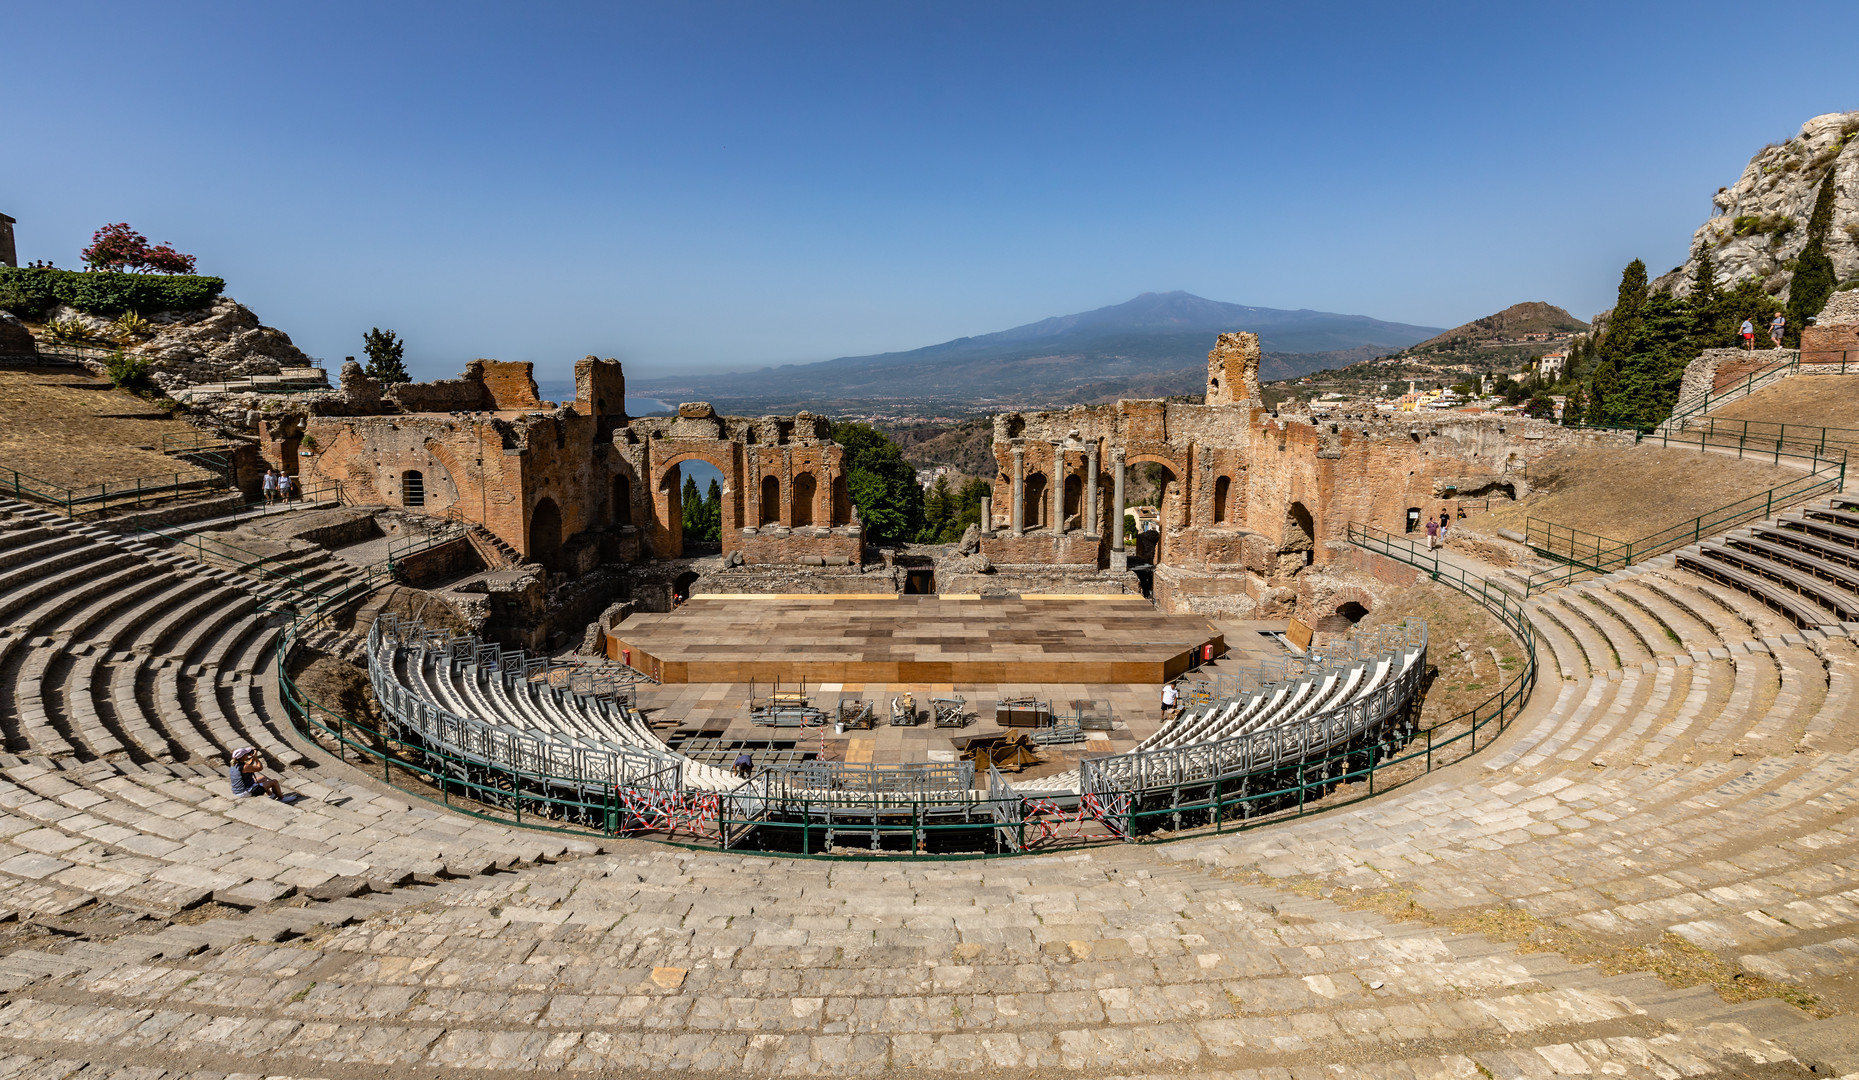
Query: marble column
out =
(987, 514)
(1116, 499)
(1090, 490)
(1058, 490)
(1019, 490)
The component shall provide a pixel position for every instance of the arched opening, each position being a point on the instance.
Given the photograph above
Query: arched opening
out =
(1352, 611)
(1223, 488)
(413, 488)
(545, 534)
(842, 501)
(1074, 500)
(1300, 534)
(771, 501)
(681, 587)
(1033, 499)
(804, 491)
(622, 501)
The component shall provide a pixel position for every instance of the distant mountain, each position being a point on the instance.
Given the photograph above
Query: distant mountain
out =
(1511, 324)
(1155, 334)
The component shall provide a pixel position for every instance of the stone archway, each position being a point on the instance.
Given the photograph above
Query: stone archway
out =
(805, 490)
(768, 511)
(1169, 515)
(1034, 504)
(545, 534)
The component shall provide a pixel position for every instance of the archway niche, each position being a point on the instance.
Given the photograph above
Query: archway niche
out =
(1223, 489)
(771, 501)
(413, 488)
(622, 501)
(804, 492)
(1074, 500)
(1033, 513)
(1352, 611)
(842, 501)
(545, 534)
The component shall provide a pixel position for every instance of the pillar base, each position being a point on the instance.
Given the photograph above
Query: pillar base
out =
(1120, 560)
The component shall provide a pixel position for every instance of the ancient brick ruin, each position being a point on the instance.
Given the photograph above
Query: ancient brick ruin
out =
(1253, 503)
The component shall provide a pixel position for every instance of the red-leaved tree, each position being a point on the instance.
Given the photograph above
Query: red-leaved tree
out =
(119, 247)
(116, 247)
(162, 258)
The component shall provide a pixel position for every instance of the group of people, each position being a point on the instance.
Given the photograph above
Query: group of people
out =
(1436, 530)
(278, 487)
(1775, 331)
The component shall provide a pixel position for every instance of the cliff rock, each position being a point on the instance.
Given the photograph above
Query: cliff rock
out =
(1759, 223)
(185, 348)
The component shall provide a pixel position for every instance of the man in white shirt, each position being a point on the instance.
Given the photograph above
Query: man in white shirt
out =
(1169, 696)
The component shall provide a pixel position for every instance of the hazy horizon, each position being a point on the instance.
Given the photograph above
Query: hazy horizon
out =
(712, 187)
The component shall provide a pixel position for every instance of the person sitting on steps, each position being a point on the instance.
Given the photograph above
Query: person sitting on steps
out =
(248, 775)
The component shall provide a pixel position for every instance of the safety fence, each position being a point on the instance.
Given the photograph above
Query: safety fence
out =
(117, 494)
(1578, 552)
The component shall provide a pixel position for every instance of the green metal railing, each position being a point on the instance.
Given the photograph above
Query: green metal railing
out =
(98, 498)
(1717, 399)
(1760, 434)
(1580, 552)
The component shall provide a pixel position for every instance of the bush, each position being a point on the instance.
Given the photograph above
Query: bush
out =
(128, 372)
(36, 290)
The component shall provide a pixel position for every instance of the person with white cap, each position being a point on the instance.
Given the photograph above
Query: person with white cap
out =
(248, 775)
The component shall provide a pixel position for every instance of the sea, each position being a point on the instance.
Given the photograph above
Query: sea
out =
(559, 390)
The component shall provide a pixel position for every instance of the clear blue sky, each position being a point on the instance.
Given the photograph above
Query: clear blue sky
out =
(704, 185)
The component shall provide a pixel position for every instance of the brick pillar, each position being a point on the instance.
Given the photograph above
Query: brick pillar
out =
(1058, 490)
(1116, 499)
(1090, 490)
(1019, 489)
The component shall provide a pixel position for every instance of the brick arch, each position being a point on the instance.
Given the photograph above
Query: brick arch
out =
(1350, 594)
(668, 526)
(1169, 511)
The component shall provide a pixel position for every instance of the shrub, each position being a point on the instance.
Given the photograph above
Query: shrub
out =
(130, 325)
(104, 292)
(127, 372)
(69, 331)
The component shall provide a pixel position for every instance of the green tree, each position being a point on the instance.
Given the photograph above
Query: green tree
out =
(385, 355)
(968, 504)
(882, 484)
(1540, 407)
(1601, 391)
(1623, 326)
(938, 512)
(1813, 271)
(1575, 408)
(691, 507)
(1706, 302)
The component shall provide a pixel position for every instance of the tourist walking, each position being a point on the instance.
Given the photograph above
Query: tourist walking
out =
(284, 486)
(271, 487)
(1432, 534)
(1749, 335)
(1170, 696)
(1775, 329)
(1445, 519)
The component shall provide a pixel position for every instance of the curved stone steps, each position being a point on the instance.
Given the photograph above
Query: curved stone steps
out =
(1621, 639)
(1597, 655)
(1563, 651)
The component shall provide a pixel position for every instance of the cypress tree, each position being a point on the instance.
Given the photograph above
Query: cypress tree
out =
(1813, 271)
(1706, 302)
(1601, 389)
(691, 509)
(1623, 326)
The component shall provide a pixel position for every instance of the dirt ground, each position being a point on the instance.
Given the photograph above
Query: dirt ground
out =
(1632, 491)
(63, 425)
(1461, 637)
(1830, 401)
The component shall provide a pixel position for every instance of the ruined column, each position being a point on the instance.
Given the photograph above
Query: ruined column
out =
(1019, 489)
(1116, 499)
(987, 514)
(1090, 490)
(1058, 490)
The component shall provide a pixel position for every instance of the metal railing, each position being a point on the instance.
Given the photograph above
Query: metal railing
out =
(98, 498)
(1580, 552)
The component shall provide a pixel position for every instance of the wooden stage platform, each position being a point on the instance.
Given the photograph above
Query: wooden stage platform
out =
(913, 639)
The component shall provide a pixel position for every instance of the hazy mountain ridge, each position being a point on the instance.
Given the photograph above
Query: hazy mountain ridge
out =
(1152, 338)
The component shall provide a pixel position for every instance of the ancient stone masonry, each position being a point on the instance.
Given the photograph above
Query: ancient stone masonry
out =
(576, 484)
(1254, 504)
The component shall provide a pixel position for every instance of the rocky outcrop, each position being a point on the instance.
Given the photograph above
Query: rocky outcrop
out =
(1759, 223)
(15, 339)
(216, 344)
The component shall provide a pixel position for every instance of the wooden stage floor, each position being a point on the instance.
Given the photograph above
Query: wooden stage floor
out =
(913, 639)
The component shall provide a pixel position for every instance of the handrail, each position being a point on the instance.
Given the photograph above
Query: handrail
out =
(97, 498)
(1580, 552)
(1716, 399)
